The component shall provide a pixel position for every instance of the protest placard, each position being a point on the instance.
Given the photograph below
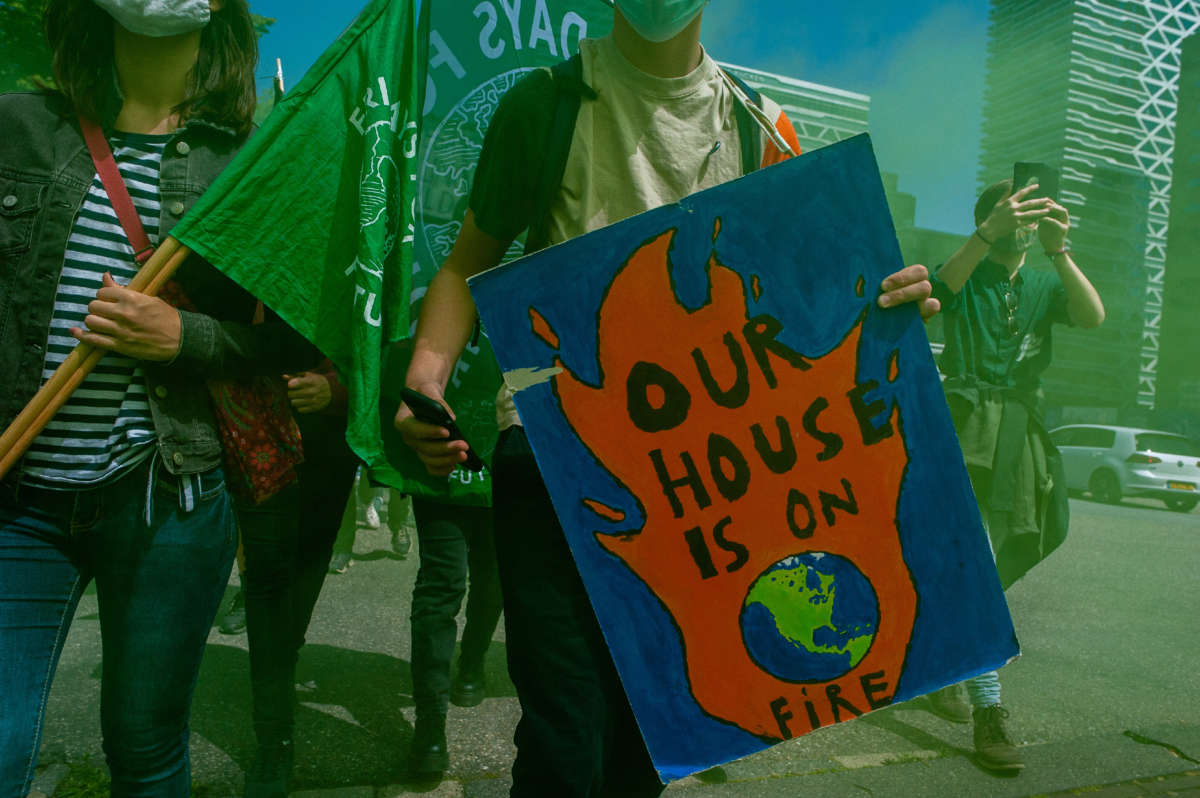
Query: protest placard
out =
(753, 463)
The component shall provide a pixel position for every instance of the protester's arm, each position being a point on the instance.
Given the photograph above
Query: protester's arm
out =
(223, 349)
(503, 195)
(1084, 307)
(1009, 213)
(147, 328)
(445, 324)
(448, 311)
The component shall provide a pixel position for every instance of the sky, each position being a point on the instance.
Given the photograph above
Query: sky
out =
(921, 61)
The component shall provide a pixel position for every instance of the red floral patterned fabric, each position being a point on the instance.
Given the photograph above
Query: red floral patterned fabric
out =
(260, 441)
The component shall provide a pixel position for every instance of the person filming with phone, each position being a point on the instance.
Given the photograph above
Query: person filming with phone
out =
(998, 316)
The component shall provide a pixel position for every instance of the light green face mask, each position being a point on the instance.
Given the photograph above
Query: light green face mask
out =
(158, 17)
(659, 20)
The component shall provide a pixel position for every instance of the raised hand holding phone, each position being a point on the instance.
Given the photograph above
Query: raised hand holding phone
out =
(1046, 177)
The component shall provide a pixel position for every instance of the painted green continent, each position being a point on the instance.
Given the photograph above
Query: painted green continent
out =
(799, 610)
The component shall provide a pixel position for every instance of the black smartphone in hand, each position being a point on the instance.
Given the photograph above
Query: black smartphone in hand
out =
(1046, 176)
(432, 412)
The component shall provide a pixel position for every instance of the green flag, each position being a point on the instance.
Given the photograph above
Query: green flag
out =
(315, 214)
(473, 59)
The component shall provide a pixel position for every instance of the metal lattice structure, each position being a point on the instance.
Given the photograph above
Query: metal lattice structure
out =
(1179, 371)
(1154, 31)
(822, 115)
(1103, 77)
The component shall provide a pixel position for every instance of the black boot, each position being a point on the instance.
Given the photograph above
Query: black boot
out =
(428, 755)
(467, 689)
(268, 777)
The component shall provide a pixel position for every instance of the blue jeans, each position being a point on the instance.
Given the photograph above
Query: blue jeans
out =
(158, 585)
(984, 690)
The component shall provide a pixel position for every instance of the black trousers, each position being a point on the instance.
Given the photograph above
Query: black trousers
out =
(454, 540)
(287, 541)
(577, 736)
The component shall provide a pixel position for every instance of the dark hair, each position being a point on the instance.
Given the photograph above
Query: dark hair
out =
(990, 196)
(220, 86)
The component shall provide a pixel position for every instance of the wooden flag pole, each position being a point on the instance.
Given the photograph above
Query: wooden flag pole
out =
(149, 280)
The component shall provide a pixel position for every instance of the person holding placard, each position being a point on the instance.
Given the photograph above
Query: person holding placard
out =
(638, 119)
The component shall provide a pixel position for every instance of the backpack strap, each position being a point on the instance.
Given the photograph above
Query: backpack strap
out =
(754, 104)
(747, 127)
(570, 90)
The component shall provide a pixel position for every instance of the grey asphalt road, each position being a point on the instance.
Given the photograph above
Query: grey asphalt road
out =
(1106, 689)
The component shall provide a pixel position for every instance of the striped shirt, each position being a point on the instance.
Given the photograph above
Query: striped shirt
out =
(106, 426)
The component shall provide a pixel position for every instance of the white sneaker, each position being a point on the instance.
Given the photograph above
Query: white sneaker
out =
(372, 516)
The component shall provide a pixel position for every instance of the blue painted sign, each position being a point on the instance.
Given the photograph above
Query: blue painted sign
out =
(754, 465)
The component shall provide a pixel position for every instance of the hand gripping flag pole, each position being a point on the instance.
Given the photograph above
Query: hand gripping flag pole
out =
(70, 374)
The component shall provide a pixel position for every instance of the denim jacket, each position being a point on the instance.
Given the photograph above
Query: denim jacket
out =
(45, 172)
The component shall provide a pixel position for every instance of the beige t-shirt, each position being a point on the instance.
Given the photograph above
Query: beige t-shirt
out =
(643, 143)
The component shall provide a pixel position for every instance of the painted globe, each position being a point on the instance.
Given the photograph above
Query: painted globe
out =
(810, 618)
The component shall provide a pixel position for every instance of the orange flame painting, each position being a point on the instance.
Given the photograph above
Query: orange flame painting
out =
(710, 420)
